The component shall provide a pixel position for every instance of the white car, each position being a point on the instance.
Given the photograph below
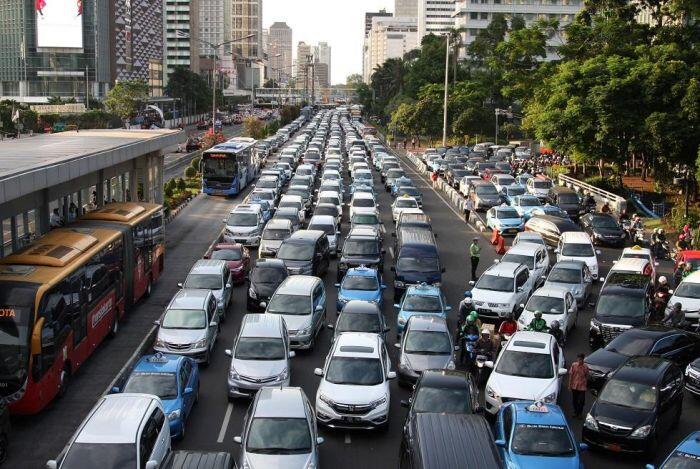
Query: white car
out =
(687, 293)
(501, 181)
(354, 391)
(531, 368)
(539, 187)
(638, 252)
(533, 256)
(401, 204)
(363, 175)
(556, 304)
(330, 197)
(529, 237)
(465, 182)
(577, 246)
(501, 289)
(362, 202)
(294, 201)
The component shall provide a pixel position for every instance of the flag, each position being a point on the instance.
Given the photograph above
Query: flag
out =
(80, 7)
(15, 116)
(40, 5)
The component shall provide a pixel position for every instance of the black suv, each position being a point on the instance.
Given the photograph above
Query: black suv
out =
(637, 407)
(566, 199)
(603, 229)
(262, 282)
(362, 247)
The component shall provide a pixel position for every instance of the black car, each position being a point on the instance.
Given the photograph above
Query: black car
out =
(636, 408)
(443, 391)
(603, 229)
(566, 199)
(551, 228)
(692, 377)
(362, 246)
(455, 173)
(263, 280)
(677, 345)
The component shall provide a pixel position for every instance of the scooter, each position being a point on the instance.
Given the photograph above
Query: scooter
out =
(468, 348)
(481, 369)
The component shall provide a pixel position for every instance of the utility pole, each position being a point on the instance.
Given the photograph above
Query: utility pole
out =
(447, 77)
(87, 89)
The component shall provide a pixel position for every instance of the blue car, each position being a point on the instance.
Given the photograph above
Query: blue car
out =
(505, 219)
(420, 299)
(551, 210)
(173, 378)
(530, 435)
(360, 283)
(525, 204)
(403, 181)
(685, 455)
(264, 206)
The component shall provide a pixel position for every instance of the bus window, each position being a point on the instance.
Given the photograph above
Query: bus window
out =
(157, 229)
(219, 168)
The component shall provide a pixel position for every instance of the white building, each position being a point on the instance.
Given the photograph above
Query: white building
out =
(246, 19)
(212, 24)
(322, 54)
(388, 38)
(436, 17)
(279, 51)
(406, 8)
(474, 15)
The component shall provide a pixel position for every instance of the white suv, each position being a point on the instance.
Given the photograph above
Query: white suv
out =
(244, 225)
(354, 391)
(577, 246)
(501, 289)
(533, 256)
(362, 202)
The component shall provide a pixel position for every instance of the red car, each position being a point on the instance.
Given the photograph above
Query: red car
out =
(237, 259)
(689, 257)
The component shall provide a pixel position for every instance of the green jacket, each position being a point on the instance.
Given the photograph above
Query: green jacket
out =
(538, 325)
(474, 250)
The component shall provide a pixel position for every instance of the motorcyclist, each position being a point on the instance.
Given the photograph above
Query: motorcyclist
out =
(624, 216)
(682, 244)
(661, 297)
(465, 307)
(484, 346)
(537, 324)
(605, 208)
(509, 326)
(589, 201)
(471, 326)
(678, 273)
(637, 222)
(675, 317)
(556, 331)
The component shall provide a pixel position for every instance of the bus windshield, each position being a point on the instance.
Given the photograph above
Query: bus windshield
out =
(219, 168)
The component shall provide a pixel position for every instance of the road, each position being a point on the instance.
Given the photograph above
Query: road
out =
(215, 421)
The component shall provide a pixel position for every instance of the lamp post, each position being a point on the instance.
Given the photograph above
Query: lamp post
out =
(447, 76)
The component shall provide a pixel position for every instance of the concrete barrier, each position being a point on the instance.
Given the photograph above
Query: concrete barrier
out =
(616, 203)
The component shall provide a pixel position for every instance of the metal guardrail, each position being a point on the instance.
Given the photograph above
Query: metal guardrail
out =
(617, 203)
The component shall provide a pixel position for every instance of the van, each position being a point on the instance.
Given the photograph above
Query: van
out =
(566, 199)
(417, 260)
(328, 225)
(306, 252)
(244, 225)
(276, 231)
(577, 246)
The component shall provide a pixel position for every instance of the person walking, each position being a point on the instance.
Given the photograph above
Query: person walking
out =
(468, 209)
(474, 254)
(578, 383)
(413, 143)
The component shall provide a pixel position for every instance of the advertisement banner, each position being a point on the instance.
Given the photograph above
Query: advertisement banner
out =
(59, 24)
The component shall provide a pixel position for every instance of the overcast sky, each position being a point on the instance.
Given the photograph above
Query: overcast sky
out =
(337, 22)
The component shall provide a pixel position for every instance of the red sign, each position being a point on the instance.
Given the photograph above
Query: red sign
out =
(217, 156)
(7, 313)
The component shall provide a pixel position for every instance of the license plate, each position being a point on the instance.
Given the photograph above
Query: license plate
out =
(218, 192)
(613, 447)
(484, 311)
(351, 419)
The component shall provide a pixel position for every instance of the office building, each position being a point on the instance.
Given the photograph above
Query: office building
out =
(371, 14)
(321, 75)
(304, 59)
(406, 8)
(279, 51)
(213, 26)
(181, 33)
(436, 16)
(388, 38)
(246, 19)
(322, 55)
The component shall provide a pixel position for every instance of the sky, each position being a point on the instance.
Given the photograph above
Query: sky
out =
(340, 23)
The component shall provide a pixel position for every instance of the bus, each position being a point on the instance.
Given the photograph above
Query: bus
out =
(63, 294)
(227, 168)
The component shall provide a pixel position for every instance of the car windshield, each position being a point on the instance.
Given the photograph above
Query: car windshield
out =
(184, 319)
(620, 306)
(355, 371)
(259, 348)
(442, 400)
(529, 202)
(406, 203)
(91, 455)
(525, 364)
(428, 343)
(492, 282)
(358, 322)
(628, 394)
(205, 281)
(682, 460)
(365, 220)
(542, 184)
(424, 303)
(505, 214)
(267, 184)
(542, 440)
(242, 219)
(395, 173)
(546, 304)
(329, 200)
(163, 385)
(275, 235)
(525, 259)
(563, 275)
(290, 204)
(362, 203)
(631, 345)
(577, 250)
(485, 189)
(281, 303)
(278, 436)
(227, 254)
(360, 282)
(268, 275)
(688, 290)
(296, 252)
(328, 229)
(513, 191)
(354, 247)
(604, 222)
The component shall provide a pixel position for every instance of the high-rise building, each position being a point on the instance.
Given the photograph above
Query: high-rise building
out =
(321, 75)
(181, 33)
(266, 39)
(436, 17)
(212, 25)
(246, 19)
(388, 38)
(406, 8)
(279, 51)
(473, 17)
(371, 14)
(365, 44)
(304, 58)
(55, 51)
(322, 55)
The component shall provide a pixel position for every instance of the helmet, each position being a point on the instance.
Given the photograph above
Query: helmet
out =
(468, 294)
(473, 316)
(485, 331)
(662, 280)
(656, 230)
(661, 231)
(677, 307)
(538, 314)
(554, 325)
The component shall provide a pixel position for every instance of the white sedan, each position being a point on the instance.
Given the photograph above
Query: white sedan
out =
(401, 204)
(556, 304)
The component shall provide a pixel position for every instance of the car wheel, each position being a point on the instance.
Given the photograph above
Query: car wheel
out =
(207, 358)
(149, 288)
(115, 325)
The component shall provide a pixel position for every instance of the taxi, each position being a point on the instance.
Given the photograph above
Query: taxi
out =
(360, 283)
(402, 204)
(174, 379)
(536, 435)
(638, 252)
(504, 219)
(420, 299)
(686, 454)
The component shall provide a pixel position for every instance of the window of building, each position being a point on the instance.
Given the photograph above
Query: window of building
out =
(484, 16)
(473, 15)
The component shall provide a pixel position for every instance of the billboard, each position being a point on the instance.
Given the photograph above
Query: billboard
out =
(59, 24)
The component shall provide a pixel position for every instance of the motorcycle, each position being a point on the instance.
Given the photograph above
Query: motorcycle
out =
(660, 302)
(469, 348)
(481, 369)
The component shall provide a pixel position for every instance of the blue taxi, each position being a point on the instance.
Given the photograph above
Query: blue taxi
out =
(403, 181)
(420, 299)
(505, 219)
(174, 379)
(525, 204)
(536, 435)
(360, 283)
(686, 454)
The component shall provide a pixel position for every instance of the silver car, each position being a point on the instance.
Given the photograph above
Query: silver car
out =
(425, 344)
(574, 276)
(328, 225)
(279, 431)
(214, 275)
(189, 326)
(260, 355)
(276, 231)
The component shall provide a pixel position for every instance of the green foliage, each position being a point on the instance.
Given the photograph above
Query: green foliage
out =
(191, 88)
(195, 163)
(168, 190)
(125, 98)
(190, 172)
(180, 185)
(288, 114)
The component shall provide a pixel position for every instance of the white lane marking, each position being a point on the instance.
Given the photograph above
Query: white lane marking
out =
(391, 252)
(347, 439)
(224, 424)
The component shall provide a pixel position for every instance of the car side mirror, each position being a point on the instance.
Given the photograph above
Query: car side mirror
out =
(556, 251)
(152, 464)
(520, 289)
(228, 352)
(51, 464)
(391, 375)
(213, 324)
(156, 322)
(292, 354)
(319, 308)
(180, 285)
(670, 291)
(336, 285)
(584, 447)
(224, 220)
(228, 285)
(330, 326)
(601, 279)
(238, 439)
(116, 390)
(188, 390)
(648, 466)
(598, 251)
(448, 308)
(488, 364)
(386, 329)
(405, 403)
(263, 304)
(456, 348)
(318, 372)
(319, 440)
(501, 443)
(563, 371)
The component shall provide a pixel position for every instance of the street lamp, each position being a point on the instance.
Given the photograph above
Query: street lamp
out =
(447, 75)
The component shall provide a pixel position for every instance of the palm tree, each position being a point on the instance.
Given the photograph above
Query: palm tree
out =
(457, 43)
(387, 79)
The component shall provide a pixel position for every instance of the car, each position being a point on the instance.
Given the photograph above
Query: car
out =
(279, 430)
(212, 275)
(121, 430)
(331, 197)
(401, 182)
(443, 391)
(328, 209)
(402, 203)
(525, 204)
(530, 434)
(504, 219)
(501, 181)
(530, 367)
(577, 245)
(523, 178)
(362, 202)
(425, 344)
(508, 192)
(420, 299)
(301, 301)
(681, 347)
(574, 276)
(360, 316)
(266, 195)
(363, 175)
(354, 389)
(551, 228)
(535, 257)
(539, 186)
(567, 200)
(174, 379)
(295, 202)
(603, 228)
(392, 175)
(236, 256)
(269, 182)
(328, 225)
(687, 293)
(556, 304)
(528, 237)
(259, 356)
(685, 455)
(465, 182)
(264, 278)
(637, 407)
(484, 195)
(275, 232)
(639, 252)
(362, 247)
(306, 252)
(407, 191)
(692, 377)
(244, 225)
(360, 283)
(368, 220)
(550, 210)
(455, 173)
(500, 290)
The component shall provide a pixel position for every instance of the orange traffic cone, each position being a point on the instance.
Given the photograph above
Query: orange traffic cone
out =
(494, 236)
(501, 245)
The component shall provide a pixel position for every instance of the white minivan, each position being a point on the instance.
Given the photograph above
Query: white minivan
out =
(577, 246)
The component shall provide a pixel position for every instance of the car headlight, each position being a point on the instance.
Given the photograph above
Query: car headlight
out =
(304, 331)
(342, 299)
(590, 423)
(201, 343)
(595, 326)
(326, 399)
(399, 284)
(310, 465)
(220, 304)
(233, 374)
(252, 294)
(378, 402)
(550, 398)
(641, 432)
(491, 393)
(160, 342)
(174, 415)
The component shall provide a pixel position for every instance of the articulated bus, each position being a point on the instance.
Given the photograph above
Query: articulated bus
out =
(227, 168)
(62, 295)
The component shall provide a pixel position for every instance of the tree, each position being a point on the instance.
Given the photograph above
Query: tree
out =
(193, 91)
(353, 80)
(253, 127)
(126, 97)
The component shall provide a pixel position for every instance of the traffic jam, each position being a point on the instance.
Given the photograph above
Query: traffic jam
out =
(333, 258)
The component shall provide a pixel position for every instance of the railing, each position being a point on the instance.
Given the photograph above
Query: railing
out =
(616, 203)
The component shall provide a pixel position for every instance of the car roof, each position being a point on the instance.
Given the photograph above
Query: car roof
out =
(189, 298)
(550, 290)
(361, 231)
(630, 264)
(360, 307)
(279, 223)
(306, 235)
(525, 248)
(298, 285)
(552, 416)
(270, 263)
(636, 250)
(576, 237)
(529, 341)
(655, 331)
(523, 236)
(427, 322)
(692, 278)
(443, 378)
(208, 266)
(158, 363)
(503, 269)
(356, 344)
(261, 325)
(570, 264)
(322, 220)
(362, 271)
(691, 444)
(642, 369)
(329, 193)
(116, 419)
(280, 402)
(362, 195)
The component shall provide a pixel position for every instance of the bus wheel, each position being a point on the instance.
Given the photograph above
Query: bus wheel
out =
(3, 447)
(149, 288)
(63, 381)
(115, 326)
